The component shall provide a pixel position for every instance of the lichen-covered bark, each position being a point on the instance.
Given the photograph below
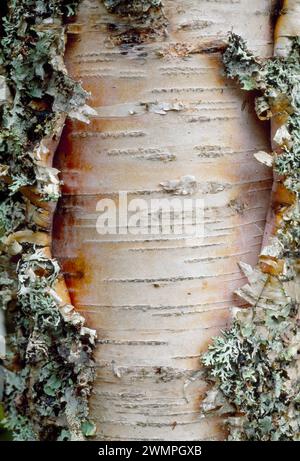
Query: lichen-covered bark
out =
(255, 365)
(48, 367)
(132, 7)
(167, 122)
(138, 21)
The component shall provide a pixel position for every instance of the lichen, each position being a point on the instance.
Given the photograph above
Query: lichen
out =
(48, 368)
(254, 366)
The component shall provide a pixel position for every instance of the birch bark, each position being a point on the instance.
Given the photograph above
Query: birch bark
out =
(156, 303)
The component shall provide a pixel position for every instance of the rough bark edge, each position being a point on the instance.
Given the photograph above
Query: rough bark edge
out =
(48, 366)
(254, 367)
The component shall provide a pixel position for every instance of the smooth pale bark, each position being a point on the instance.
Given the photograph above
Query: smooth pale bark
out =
(156, 303)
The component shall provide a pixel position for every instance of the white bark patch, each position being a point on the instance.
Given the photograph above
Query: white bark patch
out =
(4, 91)
(2, 335)
(282, 136)
(264, 158)
(186, 185)
(162, 108)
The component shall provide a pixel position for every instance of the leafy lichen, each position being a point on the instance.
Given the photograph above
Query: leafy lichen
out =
(254, 367)
(48, 363)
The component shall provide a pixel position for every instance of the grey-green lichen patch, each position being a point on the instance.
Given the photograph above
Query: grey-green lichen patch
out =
(278, 79)
(254, 367)
(48, 368)
(30, 48)
(138, 21)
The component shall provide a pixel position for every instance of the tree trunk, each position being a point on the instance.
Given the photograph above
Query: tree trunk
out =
(164, 112)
